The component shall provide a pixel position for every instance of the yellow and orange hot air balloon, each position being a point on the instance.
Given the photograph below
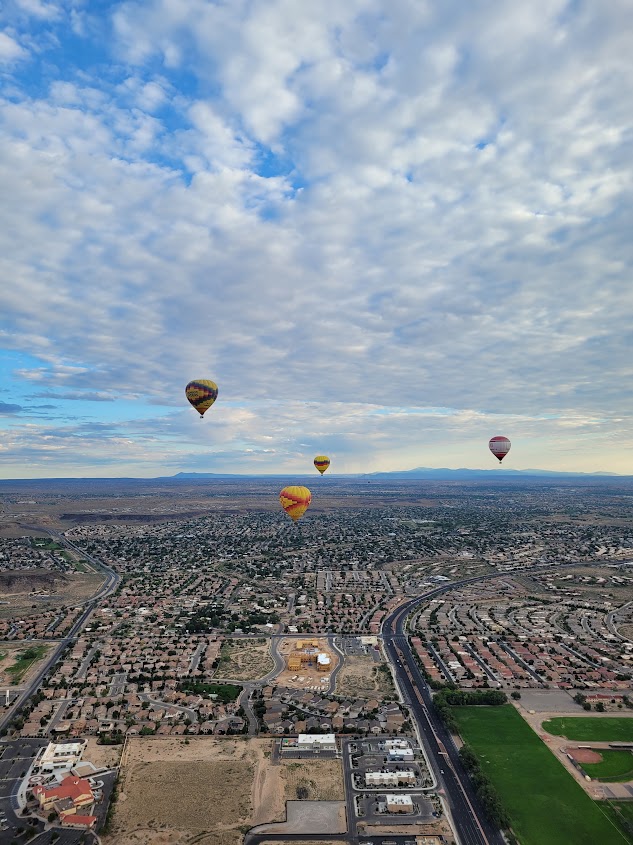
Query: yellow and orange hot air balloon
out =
(321, 462)
(202, 393)
(295, 501)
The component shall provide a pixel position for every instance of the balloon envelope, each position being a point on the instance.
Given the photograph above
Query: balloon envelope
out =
(202, 393)
(499, 446)
(295, 501)
(321, 462)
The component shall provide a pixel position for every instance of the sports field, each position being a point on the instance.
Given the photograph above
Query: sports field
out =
(592, 729)
(622, 813)
(616, 766)
(544, 802)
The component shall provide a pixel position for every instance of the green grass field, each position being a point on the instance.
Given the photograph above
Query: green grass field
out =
(588, 729)
(544, 802)
(616, 766)
(622, 814)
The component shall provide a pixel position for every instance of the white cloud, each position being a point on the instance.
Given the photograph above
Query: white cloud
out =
(334, 208)
(10, 50)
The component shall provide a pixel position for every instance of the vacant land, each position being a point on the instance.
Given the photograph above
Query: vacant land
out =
(545, 804)
(592, 728)
(208, 781)
(53, 589)
(216, 788)
(615, 767)
(361, 677)
(16, 661)
(244, 660)
(320, 780)
(103, 756)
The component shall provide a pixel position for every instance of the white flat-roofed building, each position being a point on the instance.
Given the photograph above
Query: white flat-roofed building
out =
(401, 754)
(396, 743)
(407, 776)
(61, 755)
(399, 803)
(316, 742)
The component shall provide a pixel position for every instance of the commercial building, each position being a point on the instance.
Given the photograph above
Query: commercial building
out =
(407, 776)
(60, 755)
(316, 742)
(400, 754)
(399, 803)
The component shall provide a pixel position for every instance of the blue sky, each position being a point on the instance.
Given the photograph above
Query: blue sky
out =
(387, 230)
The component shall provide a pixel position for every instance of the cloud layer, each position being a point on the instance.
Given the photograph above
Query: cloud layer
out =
(391, 228)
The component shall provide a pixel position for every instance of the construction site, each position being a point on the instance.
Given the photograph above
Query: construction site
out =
(309, 663)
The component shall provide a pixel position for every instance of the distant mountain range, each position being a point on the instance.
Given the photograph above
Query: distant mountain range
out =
(496, 475)
(499, 472)
(430, 473)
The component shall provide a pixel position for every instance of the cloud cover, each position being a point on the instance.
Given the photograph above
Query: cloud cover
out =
(385, 229)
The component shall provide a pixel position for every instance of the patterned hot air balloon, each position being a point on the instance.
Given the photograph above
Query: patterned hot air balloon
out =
(202, 393)
(499, 446)
(295, 501)
(321, 462)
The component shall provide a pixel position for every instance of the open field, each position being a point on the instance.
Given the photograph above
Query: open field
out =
(361, 677)
(319, 780)
(616, 766)
(545, 804)
(245, 660)
(621, 812)
(208, 783)
(103, 756)
(24, 660)
(216, 788)
(14, 666)
(592, 728)
(59, 589)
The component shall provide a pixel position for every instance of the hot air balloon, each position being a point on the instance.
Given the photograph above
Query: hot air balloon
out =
(202, 393)
(295, 501)
(499, 446)
(321, 462)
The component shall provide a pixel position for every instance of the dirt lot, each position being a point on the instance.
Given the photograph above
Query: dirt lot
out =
(103, 756)
(308, 677)
(313, 780)
(63, 589)
(245, 660)
(210, 789)
(8, 656)
(361, 677)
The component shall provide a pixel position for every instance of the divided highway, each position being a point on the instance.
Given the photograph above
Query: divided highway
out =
(471, 824)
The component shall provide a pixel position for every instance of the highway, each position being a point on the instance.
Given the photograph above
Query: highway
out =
(471, 825)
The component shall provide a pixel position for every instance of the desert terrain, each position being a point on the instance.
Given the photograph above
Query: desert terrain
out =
(361, 677)
(245, 660)
(174, 790)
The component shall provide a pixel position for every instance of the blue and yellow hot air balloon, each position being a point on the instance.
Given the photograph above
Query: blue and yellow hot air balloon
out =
(321, 462)
(202, 393)
(295, 501)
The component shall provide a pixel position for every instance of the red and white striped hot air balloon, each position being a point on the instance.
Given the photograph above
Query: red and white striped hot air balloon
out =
(499, 446)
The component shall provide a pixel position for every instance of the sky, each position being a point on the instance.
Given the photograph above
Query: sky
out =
(388, 230)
